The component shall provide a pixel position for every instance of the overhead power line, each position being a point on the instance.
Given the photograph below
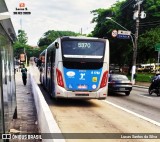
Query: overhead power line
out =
(127, 4)
(158, 24)
(151, 22)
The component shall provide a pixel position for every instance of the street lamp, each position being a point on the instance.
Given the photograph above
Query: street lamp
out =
(134, 50)
(109, 18)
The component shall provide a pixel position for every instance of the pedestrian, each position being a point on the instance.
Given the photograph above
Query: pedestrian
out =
(24, 74)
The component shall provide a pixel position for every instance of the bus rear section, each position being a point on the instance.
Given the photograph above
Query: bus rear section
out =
(82, 69)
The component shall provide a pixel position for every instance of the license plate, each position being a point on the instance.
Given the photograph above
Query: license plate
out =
(82, 94)
(122, 89)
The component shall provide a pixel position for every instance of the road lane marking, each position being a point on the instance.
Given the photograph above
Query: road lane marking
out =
(131, 112)
(144, 96)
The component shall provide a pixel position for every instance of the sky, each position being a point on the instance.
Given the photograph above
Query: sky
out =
(63, 15)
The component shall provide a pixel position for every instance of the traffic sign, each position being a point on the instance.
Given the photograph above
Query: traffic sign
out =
(123, 36)
(114, 33)
(124, 32)
(157, 47)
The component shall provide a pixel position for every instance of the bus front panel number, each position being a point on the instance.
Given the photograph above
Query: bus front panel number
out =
(84, 45)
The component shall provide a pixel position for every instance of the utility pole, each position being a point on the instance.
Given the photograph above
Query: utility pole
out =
(81, 31)
(137, 18)
(137, 15)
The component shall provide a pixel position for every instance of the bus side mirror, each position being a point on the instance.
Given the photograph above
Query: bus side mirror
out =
(56, 45)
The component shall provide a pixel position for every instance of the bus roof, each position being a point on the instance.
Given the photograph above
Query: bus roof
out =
(79, 37)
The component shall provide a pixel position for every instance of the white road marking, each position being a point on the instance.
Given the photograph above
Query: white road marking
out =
(131, 112)
(144, 96)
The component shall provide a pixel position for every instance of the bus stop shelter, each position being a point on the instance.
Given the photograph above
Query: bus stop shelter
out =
(7, 78)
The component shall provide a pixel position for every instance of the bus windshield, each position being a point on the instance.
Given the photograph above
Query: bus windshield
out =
(83, 49)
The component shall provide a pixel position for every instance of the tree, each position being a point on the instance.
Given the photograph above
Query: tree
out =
(104, 28)
(52, 35)
(20, 44)
(22, 37)
(147, 42)
(122, 12)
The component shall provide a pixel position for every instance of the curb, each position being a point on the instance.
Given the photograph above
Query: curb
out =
(46, 121)
(145, 87)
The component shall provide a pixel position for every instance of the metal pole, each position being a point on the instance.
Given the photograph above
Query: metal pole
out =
(81, 31)
(135, 48)
(21, 23)
(132, 41)
(120, 26)
(158, 57)
(123, 28)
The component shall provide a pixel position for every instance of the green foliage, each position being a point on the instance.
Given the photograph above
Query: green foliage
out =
(146, 45)
(33, 52)
(101, 26)
(52, 35)
(22, 37)
(141, 77)
(20, 46)
(122, 13)
(149, 38)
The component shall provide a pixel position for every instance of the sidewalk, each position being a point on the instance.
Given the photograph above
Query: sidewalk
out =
(26, 110)
(142, 85)
(146, 84)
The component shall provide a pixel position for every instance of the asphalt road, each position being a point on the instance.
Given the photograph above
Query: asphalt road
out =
(139, 102)
(118, 114)
(96, 116)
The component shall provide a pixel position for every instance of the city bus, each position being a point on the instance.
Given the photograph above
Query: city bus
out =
(76, 67)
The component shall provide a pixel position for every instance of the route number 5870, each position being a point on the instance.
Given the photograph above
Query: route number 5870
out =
(84, 45)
